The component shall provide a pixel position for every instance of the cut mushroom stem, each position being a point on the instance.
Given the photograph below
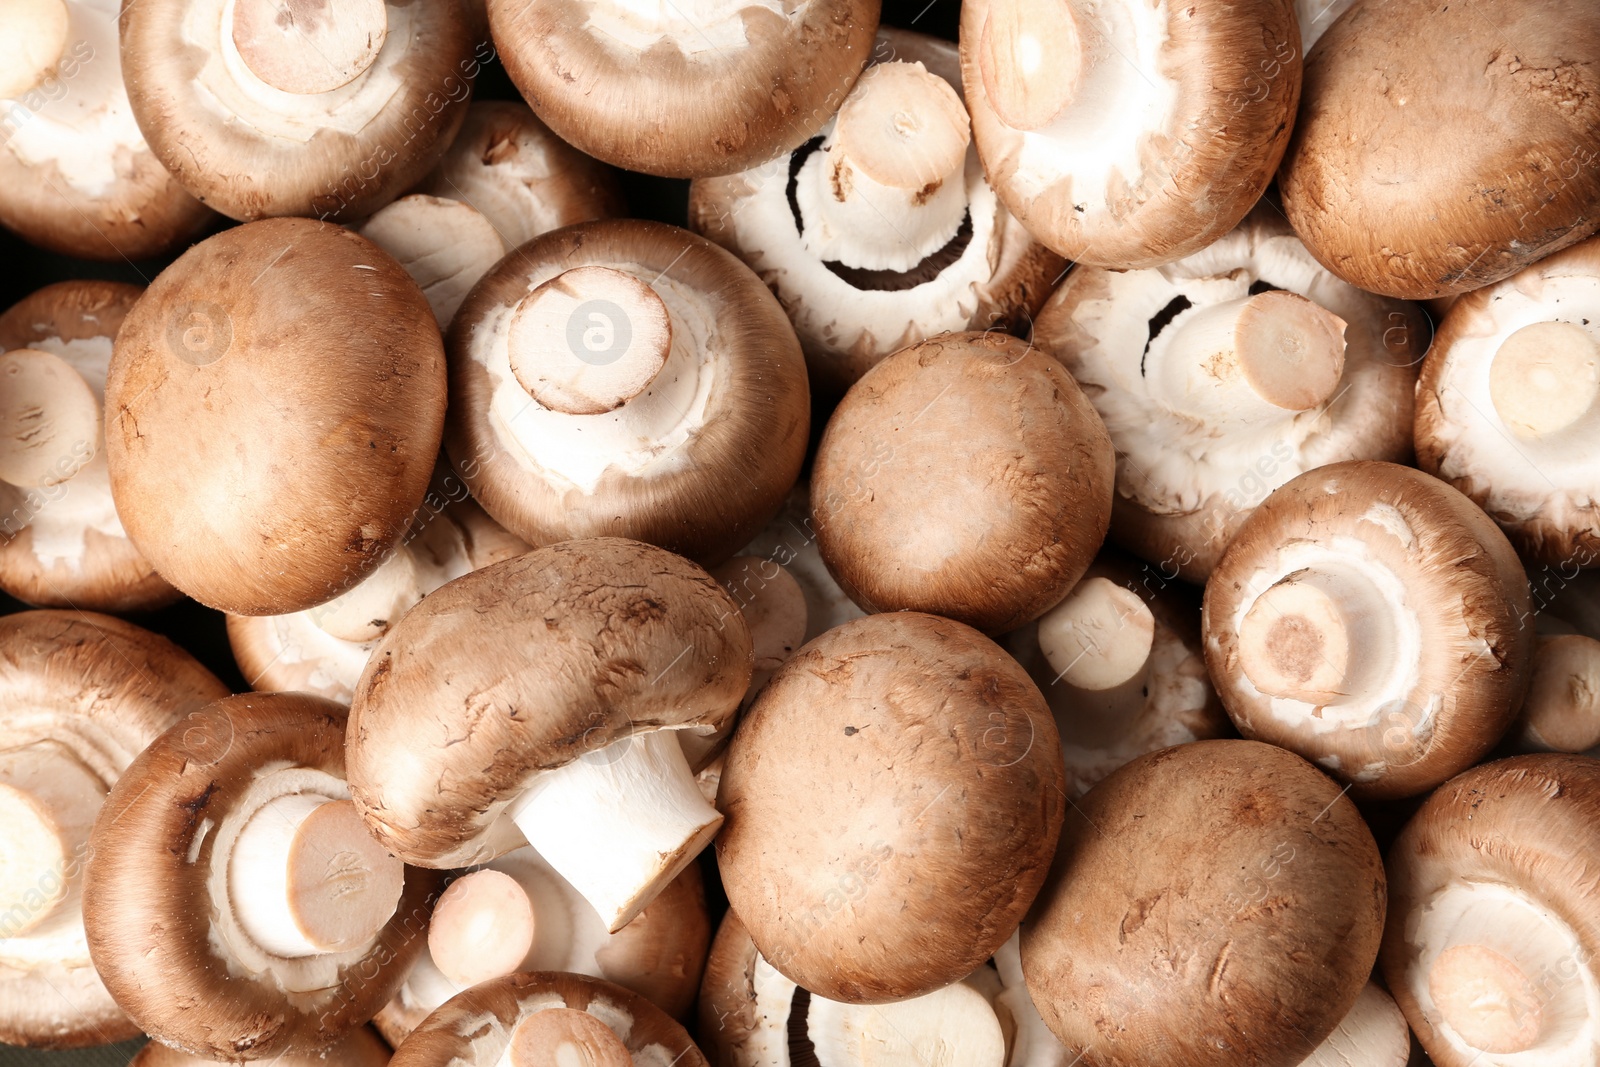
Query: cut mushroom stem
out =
(481, 928)
(956, 1024)
(1562, 710)
(1486, 998)
(1545, 378)
(1310, 635)
(1034, 62)
(639, 797)
(49, 419)
(887, 188)
(306, 877)
(366, 611)
(309, 48)
(34, 40)
(48, 803)
(565, 1037)
(1098, 642)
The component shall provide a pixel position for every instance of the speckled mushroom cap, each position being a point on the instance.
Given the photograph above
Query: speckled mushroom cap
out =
(990, 435)
(475, 1029)
(361, 1047)
(1383, 613)
(289, 376)
(892, 798)
(1129, 135)
(101, 689)
(1250, 957)
(697, 462)
(708, 87)
(1519, 93)
(1186, 479)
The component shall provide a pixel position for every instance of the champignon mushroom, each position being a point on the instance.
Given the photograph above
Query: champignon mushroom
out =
(1372, 1034)
(991, 531)
(790, 541)
(892, 798)
(1249, 957)
(881, 231)
(1561, 712)
(61, 543)
(328, 110)
(80, 695)
(1224, 375)
(1314, 17)
(1130, 134)
(359, 1048)
(76, 175)
(1370, 618)
(712, 87)
(236, 907)
(1491, 942)
(289, 376)
(625, 377)
(1519, 95)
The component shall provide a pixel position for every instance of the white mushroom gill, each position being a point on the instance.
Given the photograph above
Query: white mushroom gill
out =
(36, 38)
(694, 27)
(445, 245)
(1372, 1034)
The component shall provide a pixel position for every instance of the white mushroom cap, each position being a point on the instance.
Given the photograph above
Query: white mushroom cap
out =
(49, 419)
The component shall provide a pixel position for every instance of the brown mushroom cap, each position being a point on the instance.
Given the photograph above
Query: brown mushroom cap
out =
(1248, 958)
(361, 1047)
(289, 376)
(967, 476)
(1519, 94)
(1425, 665)
(893, 798)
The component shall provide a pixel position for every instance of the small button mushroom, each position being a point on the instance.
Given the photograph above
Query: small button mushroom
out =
(289, 376)
(1370, 618)
(1491, 943)
(236, 907)
(80, 695)
(629, 378)
(332, 112)
(1516, 178)
(893, 798)
(1252, 956)
(1372, 1034)
(860, 279)
(1226, 374)
(1561, 712)
(545, 694)
(991, 531)
(1130, 134)
(359, 1048)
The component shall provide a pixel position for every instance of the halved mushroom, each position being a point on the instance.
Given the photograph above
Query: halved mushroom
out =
(236, 906)
(76, 175)
(625, 377)
(289, 376)
(262, 109)
(1372, 1034)
(1491, 944)
(1130, 134)
(80, 695)
(892, 800)
(1251, 956)
(1518, 96)
(1370, 618)
(359, 1048)
(1223, 376)
(710, 87)
(882, 231)
(991, 530)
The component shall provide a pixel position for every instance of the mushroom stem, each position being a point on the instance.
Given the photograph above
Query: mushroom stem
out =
(49, 419)
(34, 40)
(1098, 641)
(1486, 998)
(1311, 636)
(1545, 377)
(482, 928)
(1562, 710)
(48, 803)
(887, 188)
(1033, 59)
(954, 1025)
(366, 612)
(638, 796)
(309, 48)
(565, 1037)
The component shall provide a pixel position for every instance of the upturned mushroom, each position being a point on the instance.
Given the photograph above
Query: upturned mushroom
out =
(359, 1048)
(80, 695)
(236, 907)
(1248, 959)
(1520, 96)
(1372, 1034)
(1371, 618)
(1492, 939)
(61, 543)
(882, 230)
(893, 798)
(289, 376)
(1129, 134)
(1222, 376)
(627, 378)
(542, 699)
(991, 533)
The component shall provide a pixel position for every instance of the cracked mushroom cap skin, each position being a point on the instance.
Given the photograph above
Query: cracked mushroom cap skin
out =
(95, 691)
(1023, 503)
(697, 461)
(63, 544)
(1136, 954)
(711, 87)
(288, 375)
(256, 121)
(1518, 87)
(361, 1047)
(1128, 135)
(930, 762)
(1188, 475)
(165, 911)
(1387, 555)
